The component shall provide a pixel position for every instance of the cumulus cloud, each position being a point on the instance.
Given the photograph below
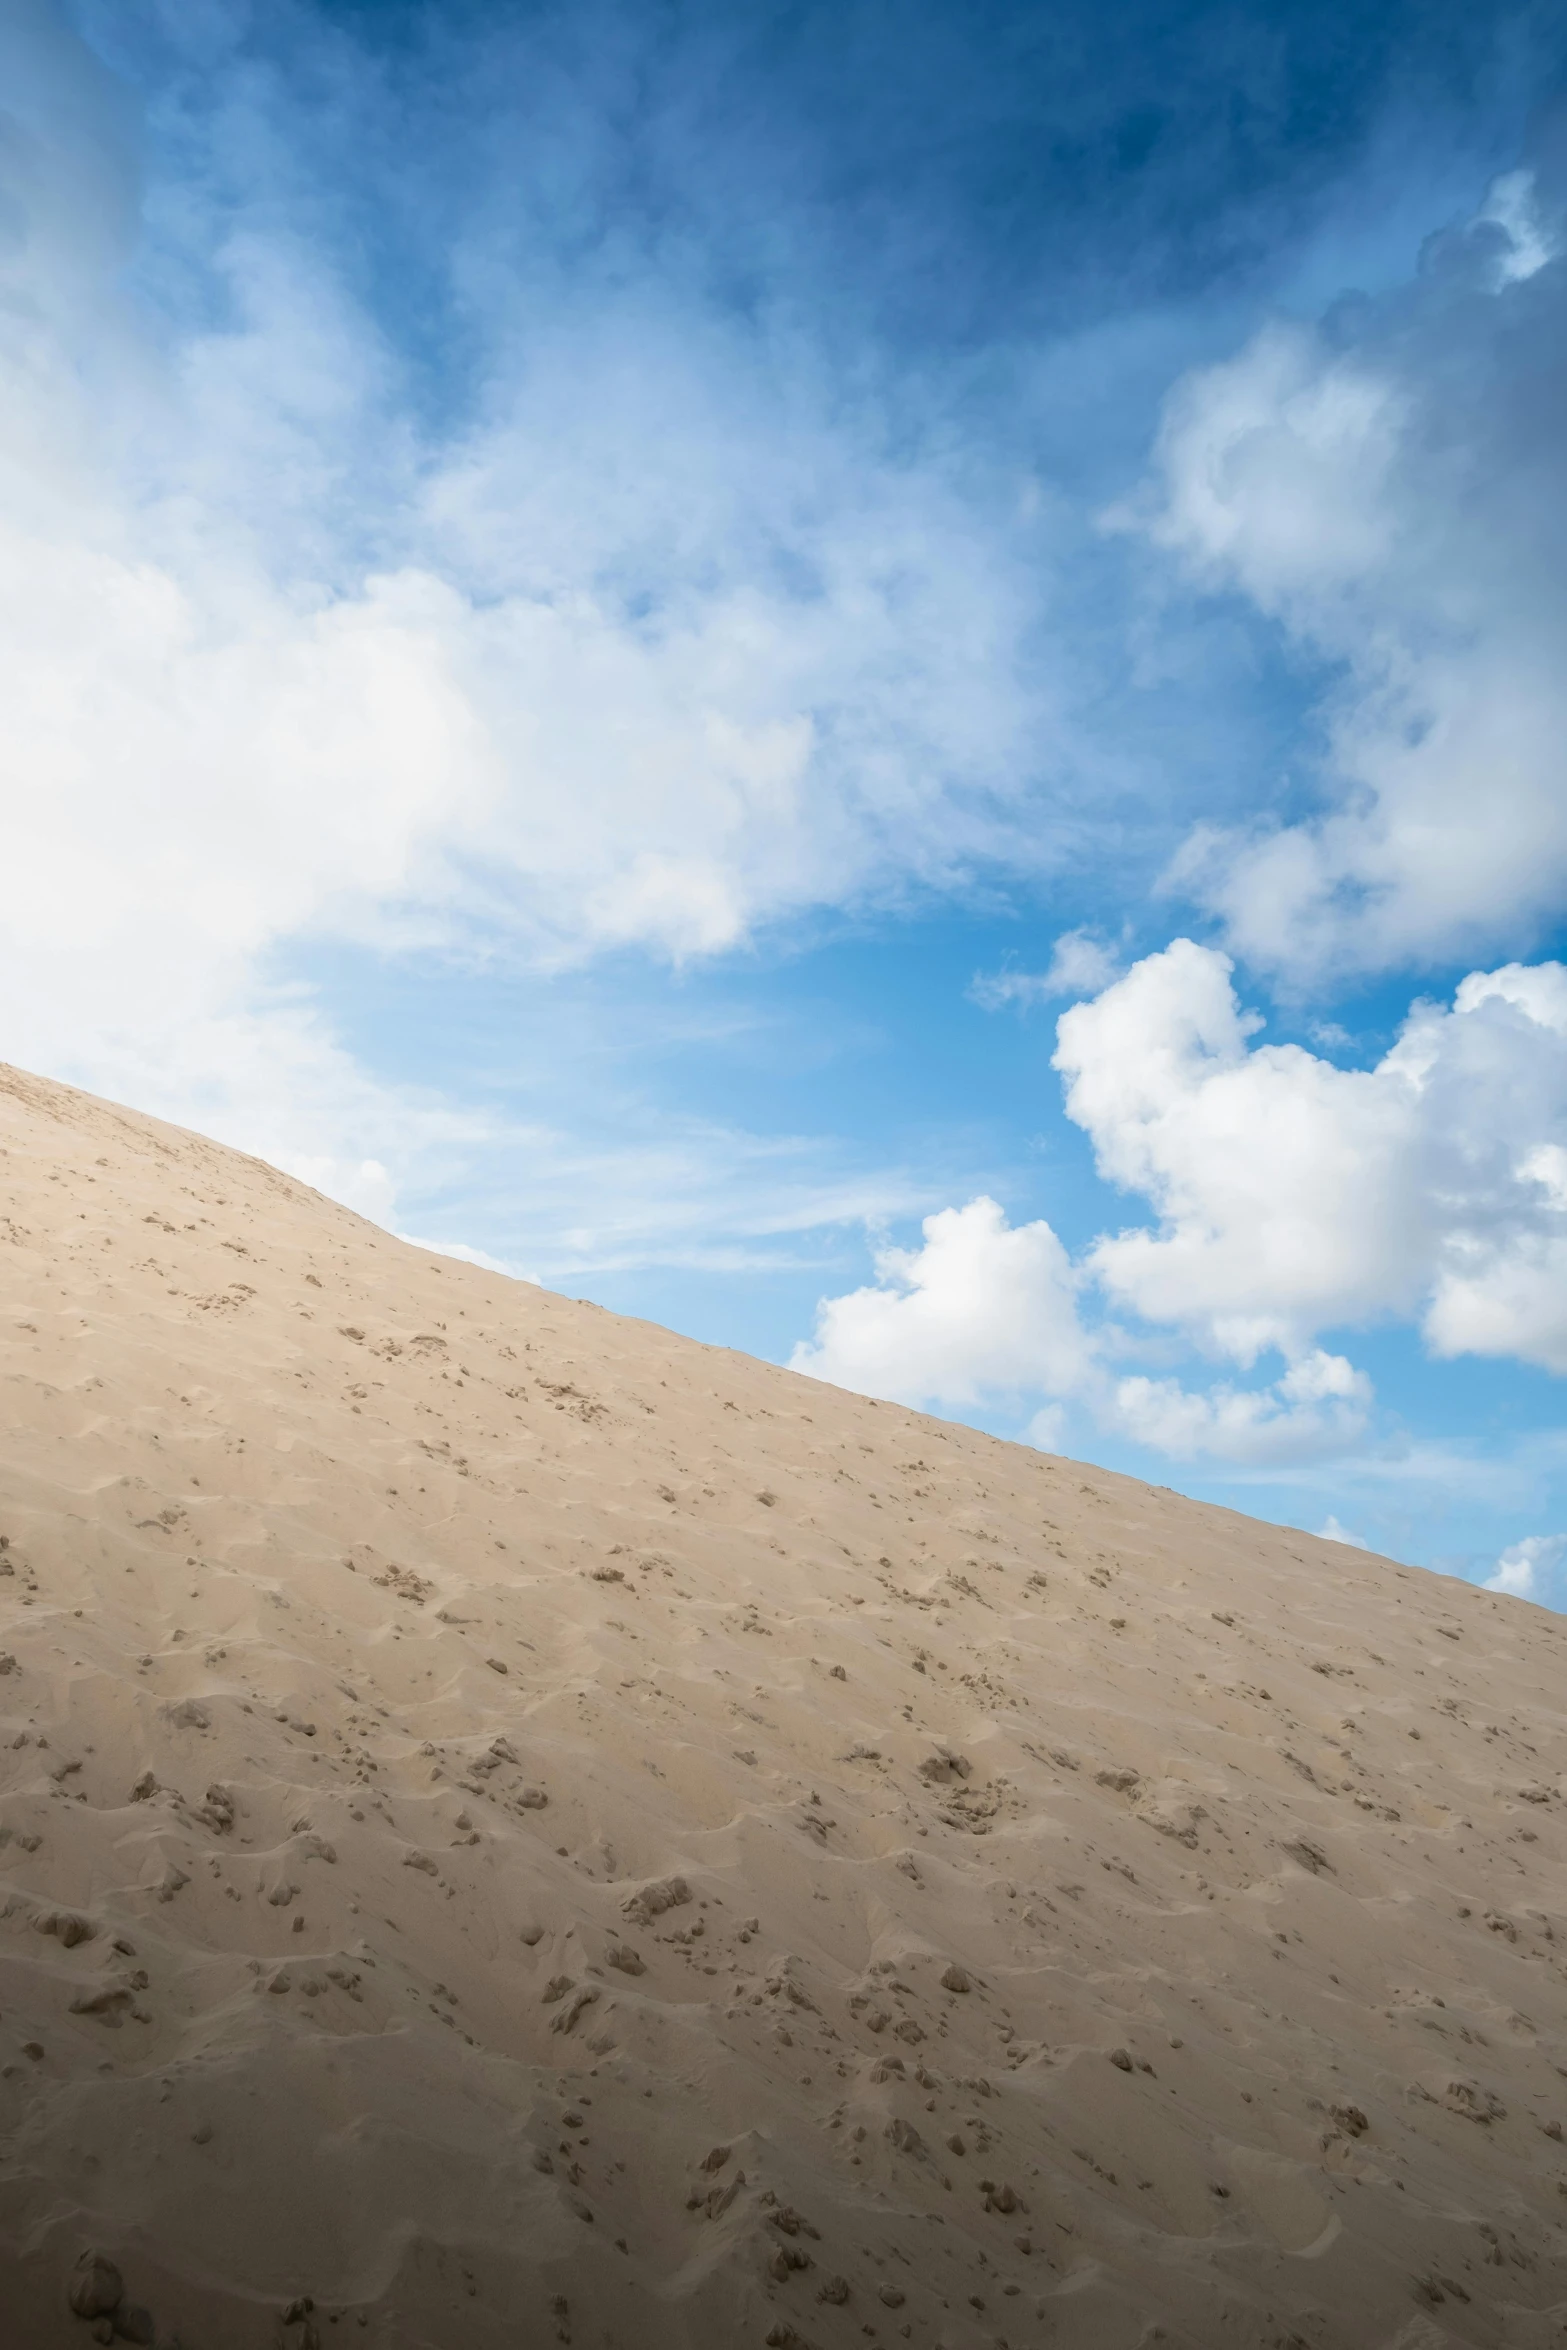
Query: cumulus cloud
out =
(1288, 1197)
(1331, 1531)
(1293, 1197)
(1528, 1569)
(985, 1310)
(981, 1308)
(1389, 488)
(1318, 1408)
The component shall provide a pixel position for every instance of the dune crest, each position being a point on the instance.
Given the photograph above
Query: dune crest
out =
(516, 1827)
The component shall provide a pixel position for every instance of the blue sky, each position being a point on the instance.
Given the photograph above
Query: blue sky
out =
(885, 683)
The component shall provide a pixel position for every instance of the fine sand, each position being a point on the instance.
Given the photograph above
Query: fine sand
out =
(517, 1828)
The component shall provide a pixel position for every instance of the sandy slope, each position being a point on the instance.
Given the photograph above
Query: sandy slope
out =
(519, 1828)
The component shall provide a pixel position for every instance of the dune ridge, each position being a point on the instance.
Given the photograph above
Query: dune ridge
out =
(516, 1828)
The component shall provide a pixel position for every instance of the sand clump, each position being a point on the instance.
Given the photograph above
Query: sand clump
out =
(517, 1828)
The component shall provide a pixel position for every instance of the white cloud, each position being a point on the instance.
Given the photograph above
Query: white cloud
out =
(1047, 1430)
(988, 1310)
(1318, 1408)
(1293, 1197)
(1080, 964)
(665, 638)
(1275, 469)
(1390, 491)
(1526, 1569)
(983, 1308)
(1278, 1213)
(1331, 1531)
(1513, 205)
(1289, 1197)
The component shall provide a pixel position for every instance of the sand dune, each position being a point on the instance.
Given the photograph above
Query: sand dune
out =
(517, 1828)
